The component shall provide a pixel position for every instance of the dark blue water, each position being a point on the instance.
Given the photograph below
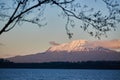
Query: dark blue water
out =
(58, 74)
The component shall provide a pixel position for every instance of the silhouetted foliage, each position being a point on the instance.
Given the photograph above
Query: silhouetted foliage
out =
(65, 65)
(15, 12)
(4, 61)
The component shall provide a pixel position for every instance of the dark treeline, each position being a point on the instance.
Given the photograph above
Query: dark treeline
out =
(2, 61)
(63, 65)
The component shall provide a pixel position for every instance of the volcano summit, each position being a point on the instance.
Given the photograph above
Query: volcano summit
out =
(75, 51)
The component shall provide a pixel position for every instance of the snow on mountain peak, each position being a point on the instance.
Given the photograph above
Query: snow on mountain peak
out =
(74, 51)
(76, 45)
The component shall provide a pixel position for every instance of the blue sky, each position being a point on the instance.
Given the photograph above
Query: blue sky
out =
(29, 38)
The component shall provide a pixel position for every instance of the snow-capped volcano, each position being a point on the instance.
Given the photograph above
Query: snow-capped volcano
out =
(77, 45)
(77, 50)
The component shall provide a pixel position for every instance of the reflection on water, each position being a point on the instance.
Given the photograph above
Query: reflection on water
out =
(58, 74)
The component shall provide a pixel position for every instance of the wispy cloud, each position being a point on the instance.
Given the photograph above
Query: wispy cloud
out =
(111, 44)
(53, 43)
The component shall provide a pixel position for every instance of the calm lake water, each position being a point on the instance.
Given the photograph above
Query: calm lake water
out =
(58, 74)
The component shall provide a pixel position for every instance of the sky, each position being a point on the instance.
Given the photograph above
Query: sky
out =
(30, 39)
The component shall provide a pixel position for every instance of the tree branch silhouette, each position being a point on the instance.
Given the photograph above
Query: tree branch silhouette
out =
(71, 9)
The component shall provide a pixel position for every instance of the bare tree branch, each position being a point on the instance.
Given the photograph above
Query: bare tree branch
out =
(12, 18)
(72, 10)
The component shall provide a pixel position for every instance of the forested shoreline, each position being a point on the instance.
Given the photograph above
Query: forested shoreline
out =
(63, 65)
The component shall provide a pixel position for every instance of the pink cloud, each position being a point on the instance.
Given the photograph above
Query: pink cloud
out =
(111, 44)
(53, 43)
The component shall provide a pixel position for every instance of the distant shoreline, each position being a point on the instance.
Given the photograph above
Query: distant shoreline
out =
(63, 65)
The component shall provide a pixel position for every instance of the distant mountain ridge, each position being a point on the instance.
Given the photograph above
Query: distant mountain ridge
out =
(75, 51)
